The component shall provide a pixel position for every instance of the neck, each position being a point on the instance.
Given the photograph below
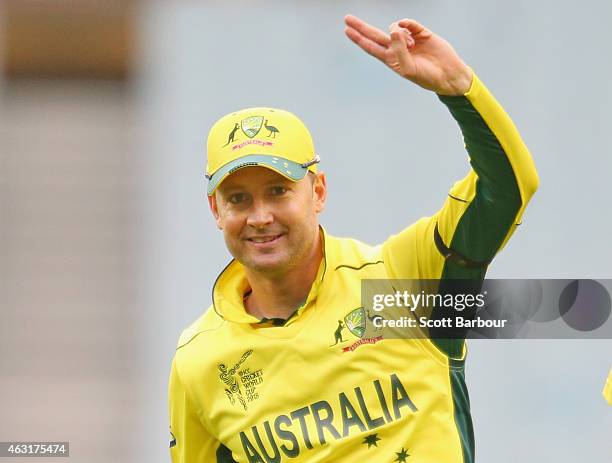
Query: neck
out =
(278, 296)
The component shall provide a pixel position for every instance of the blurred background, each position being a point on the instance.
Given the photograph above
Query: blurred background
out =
(108, 250)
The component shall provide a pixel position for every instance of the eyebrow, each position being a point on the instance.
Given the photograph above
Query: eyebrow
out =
(242, 186)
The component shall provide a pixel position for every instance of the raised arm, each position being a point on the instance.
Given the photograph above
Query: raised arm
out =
(482, 210)
(485, 206)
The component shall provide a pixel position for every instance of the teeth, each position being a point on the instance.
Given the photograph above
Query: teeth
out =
(262, 240)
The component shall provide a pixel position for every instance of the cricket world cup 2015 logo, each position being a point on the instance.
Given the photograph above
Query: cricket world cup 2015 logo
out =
(234, 377)
(232, 389)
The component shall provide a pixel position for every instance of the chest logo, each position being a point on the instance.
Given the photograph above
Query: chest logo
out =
(357, 321)
(241, 382)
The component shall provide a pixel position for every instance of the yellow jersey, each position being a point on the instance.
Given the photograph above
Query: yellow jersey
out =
(607, 390)
(326, 385)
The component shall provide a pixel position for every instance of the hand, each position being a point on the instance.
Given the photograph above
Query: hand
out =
(415, 53)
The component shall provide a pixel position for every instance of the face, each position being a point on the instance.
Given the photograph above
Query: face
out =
(269, 223)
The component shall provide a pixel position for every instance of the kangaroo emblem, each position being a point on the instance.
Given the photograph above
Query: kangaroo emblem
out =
(232, 134)
(338, 333)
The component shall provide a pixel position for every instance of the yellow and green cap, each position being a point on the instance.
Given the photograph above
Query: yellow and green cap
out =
(265, 137)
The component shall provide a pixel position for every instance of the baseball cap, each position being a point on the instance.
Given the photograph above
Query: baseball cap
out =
(266, 137)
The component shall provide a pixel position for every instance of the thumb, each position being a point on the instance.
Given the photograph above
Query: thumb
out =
(399, 46)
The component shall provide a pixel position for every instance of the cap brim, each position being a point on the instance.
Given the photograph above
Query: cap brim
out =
(288, 169)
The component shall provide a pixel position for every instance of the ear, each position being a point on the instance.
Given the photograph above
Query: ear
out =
(212, 202)
(319, 191)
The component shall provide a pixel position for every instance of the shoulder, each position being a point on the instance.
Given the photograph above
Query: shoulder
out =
(209, 321)
(350, 252)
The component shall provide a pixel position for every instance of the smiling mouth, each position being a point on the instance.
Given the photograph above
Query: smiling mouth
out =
(264, 239)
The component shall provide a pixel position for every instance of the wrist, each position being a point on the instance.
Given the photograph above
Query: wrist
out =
(460, 83)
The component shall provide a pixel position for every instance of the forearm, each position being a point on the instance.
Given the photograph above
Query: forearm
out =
(505, 174)
(492, 197)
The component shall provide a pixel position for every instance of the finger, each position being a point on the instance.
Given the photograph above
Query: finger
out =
(413, 26)
(367, 30)
(408, 37)
(394, 26)
(367, 45)
(399, 46)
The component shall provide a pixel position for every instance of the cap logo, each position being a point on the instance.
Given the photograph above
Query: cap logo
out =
(251, 125)
(232, 135)
(252, 142)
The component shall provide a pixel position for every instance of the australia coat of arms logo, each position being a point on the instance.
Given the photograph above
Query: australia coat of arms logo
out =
(251, 125)
(357, 323)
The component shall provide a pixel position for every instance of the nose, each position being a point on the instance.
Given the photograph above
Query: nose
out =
(260, 214)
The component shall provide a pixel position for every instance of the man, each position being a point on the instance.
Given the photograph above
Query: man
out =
(286, 365)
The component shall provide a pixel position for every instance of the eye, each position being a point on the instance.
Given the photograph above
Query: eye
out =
(278, 190)
(238, 198)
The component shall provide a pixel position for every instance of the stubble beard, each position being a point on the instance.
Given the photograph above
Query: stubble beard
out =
(295, 251)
